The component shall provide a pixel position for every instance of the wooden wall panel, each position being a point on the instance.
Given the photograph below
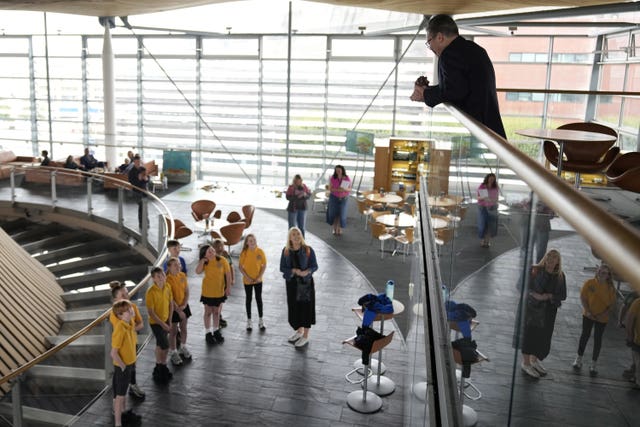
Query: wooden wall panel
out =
(30, 299)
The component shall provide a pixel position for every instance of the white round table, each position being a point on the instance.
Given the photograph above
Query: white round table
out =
(386, 199)
(401, 220)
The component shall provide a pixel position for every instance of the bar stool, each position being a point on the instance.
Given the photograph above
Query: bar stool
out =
(380, 385)
(367, 402)
(469, 415)
(376, 365)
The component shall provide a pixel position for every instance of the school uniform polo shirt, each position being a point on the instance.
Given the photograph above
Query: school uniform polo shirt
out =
(159, 300)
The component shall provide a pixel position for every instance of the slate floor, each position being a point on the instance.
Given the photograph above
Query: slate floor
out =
(260, 379)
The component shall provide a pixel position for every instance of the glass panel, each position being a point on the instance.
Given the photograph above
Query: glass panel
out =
(375, 48)
(608, 108)
(230, 47)
(68, 46)
(616, 47)
(58, 67)
(14, 45)
(14, 67)
(170, 46)
(119, 46)
(573, 50)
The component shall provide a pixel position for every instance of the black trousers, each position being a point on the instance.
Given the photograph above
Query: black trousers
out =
(587, 325)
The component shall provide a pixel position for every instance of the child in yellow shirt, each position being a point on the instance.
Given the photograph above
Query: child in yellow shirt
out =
(214, 292)
(177, 280)
(160, 306)
(118, 293)
(123, 353)
(252, 264)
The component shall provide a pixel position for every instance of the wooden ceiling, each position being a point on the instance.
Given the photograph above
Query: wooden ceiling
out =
(422, 7)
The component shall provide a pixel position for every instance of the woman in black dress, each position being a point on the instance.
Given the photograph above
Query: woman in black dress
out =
(547, 290)
(297, 264)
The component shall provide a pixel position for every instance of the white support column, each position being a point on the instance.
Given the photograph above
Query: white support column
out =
(108, 87)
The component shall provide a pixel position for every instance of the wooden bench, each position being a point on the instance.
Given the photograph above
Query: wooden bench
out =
(42, 175)
(9, 160)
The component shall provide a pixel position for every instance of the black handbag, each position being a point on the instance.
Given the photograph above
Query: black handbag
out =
(304, 287)
(535, 313)
(304, 290)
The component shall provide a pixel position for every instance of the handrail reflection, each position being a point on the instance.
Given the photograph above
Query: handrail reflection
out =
(617, 242)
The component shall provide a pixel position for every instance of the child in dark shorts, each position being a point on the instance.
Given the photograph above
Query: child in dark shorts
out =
(216, 272)
(177, 280)
(160, 305)
(123, 353)
(218, 245)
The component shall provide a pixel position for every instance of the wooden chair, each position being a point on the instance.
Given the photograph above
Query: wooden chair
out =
(593, 157)
(234, 217)
(406, 238)
(202, 209)
(180, 231)
(365, 211)
(364, 401)
(248, 211)
(443, 236)
(232, 233)
(624, 172)
(380, 232)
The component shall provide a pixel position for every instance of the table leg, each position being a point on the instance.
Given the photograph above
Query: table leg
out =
(560, 154)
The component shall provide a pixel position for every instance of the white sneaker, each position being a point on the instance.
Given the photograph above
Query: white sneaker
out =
(176, 359)
(184, 352)
(593, 370)
(538, 367)
(249, 326)
(528, 369)
(295, 337)
(577, 364)
(136, 391)
(261, 324)
(302, 342)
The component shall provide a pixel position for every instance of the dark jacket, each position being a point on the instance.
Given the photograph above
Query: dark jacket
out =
(286, 262)
(467, 80)
(297, 198)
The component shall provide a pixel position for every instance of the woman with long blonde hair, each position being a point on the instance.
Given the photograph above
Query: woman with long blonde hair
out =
(547, 290)
(297, 264)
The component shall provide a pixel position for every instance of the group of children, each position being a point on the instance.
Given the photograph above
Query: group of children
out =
(167, 302)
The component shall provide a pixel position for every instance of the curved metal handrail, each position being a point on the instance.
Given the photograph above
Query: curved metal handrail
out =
(615, 241)
(55, 349)
(571, 91)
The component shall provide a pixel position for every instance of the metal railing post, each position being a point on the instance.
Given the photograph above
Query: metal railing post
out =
(16, 402)
(144, 233)
(120, 207)
(108, 363)
(161, 233)
(12, 178)
(54, 196)
(89, 196)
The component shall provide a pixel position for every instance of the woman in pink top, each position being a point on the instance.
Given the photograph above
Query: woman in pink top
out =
(339, 187)
(487, 209)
